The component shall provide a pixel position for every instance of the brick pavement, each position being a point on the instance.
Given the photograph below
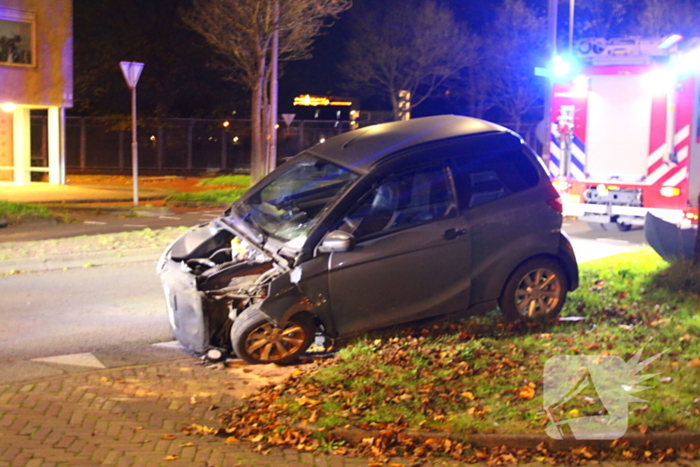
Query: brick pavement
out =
(132, 417)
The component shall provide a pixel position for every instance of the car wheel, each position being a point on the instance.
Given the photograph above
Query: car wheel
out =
(257, 340)
(535, 291)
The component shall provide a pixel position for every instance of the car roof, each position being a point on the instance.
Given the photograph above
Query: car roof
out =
(363, 148)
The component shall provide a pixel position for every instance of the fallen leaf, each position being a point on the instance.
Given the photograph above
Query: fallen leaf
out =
(527, 392)
(231, 440)
(303, 400)
(583, 451)
(694, 362)
(643, 429)
(170, 458)
(168, 437)
(187, 445)
(313, 418)
(685, 338)
(468, 395)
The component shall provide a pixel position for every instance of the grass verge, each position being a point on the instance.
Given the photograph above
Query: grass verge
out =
(483, 375)
(242, 181)
(18, 212)
(217, 197)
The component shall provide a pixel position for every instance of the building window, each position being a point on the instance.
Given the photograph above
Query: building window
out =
(17, 44)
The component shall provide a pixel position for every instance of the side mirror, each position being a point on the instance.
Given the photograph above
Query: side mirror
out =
(337, 241)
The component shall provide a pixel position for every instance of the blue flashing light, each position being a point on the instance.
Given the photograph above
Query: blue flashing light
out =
(563, 69)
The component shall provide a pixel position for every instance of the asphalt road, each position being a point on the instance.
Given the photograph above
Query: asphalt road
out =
(108, 311)
(592, 244)
(81, 310)
(86, 223)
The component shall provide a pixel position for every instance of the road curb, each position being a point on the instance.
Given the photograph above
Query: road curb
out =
(673, 440)
(98, 258)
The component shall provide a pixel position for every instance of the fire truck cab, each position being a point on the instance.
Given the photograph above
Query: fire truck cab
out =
(624, 132)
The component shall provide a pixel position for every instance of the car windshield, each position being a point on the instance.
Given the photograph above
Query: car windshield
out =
(289, 205)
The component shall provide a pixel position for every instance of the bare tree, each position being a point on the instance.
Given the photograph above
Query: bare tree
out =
(242, 32)
(471, 87)
(409, 46)
(518, 42)
(663, 17)
(604, 18)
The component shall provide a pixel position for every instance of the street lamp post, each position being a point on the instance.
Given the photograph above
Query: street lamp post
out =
(572, 6)
(547, 127)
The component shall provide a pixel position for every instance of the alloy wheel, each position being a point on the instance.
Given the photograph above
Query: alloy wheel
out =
(271, 343)
(538, 293)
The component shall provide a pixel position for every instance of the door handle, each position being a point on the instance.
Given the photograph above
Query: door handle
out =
(451, 234)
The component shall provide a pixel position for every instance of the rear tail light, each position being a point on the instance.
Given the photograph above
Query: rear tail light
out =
(692, 215)
(555, 200)
(556, 204)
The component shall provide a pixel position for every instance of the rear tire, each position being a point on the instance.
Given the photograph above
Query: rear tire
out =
(535, 291)
(256, 339)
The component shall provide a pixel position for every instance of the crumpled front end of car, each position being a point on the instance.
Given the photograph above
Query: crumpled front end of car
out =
(209, 275)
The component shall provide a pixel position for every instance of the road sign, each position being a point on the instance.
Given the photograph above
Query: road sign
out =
(131, 72)
(288, 118)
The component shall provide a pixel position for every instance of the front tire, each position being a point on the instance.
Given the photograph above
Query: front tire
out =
(256, 339)
(535, 291)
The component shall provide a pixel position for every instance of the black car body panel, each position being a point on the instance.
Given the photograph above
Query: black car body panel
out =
(424, 219)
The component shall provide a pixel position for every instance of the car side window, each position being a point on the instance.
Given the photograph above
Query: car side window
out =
(483, 179)
(401, 201)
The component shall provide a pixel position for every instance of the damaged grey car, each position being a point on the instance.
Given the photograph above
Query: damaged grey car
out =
(433, 218)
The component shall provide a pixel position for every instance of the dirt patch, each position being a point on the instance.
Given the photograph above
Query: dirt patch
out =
(197, 384)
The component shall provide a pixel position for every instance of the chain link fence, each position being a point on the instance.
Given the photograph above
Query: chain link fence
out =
(181, 146)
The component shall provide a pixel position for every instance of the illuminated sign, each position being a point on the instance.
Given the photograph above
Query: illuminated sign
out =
(315, 101)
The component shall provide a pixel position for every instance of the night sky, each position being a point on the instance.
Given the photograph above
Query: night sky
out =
(110, 31)
(178, 80)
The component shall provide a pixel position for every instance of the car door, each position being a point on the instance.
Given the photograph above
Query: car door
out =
(412, 254)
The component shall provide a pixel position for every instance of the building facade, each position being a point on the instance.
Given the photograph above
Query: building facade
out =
(36, 78)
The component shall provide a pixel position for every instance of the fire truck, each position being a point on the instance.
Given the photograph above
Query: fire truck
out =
(624, 146)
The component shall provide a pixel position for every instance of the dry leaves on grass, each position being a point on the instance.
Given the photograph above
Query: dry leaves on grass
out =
(286, 414)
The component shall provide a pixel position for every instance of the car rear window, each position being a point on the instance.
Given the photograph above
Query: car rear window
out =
(488, 177)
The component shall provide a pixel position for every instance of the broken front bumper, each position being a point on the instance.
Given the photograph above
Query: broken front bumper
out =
(198, 322)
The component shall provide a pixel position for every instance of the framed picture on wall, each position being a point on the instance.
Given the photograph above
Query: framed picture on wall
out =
(17, 38)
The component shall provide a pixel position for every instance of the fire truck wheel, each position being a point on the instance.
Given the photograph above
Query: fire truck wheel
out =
(609, 226)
